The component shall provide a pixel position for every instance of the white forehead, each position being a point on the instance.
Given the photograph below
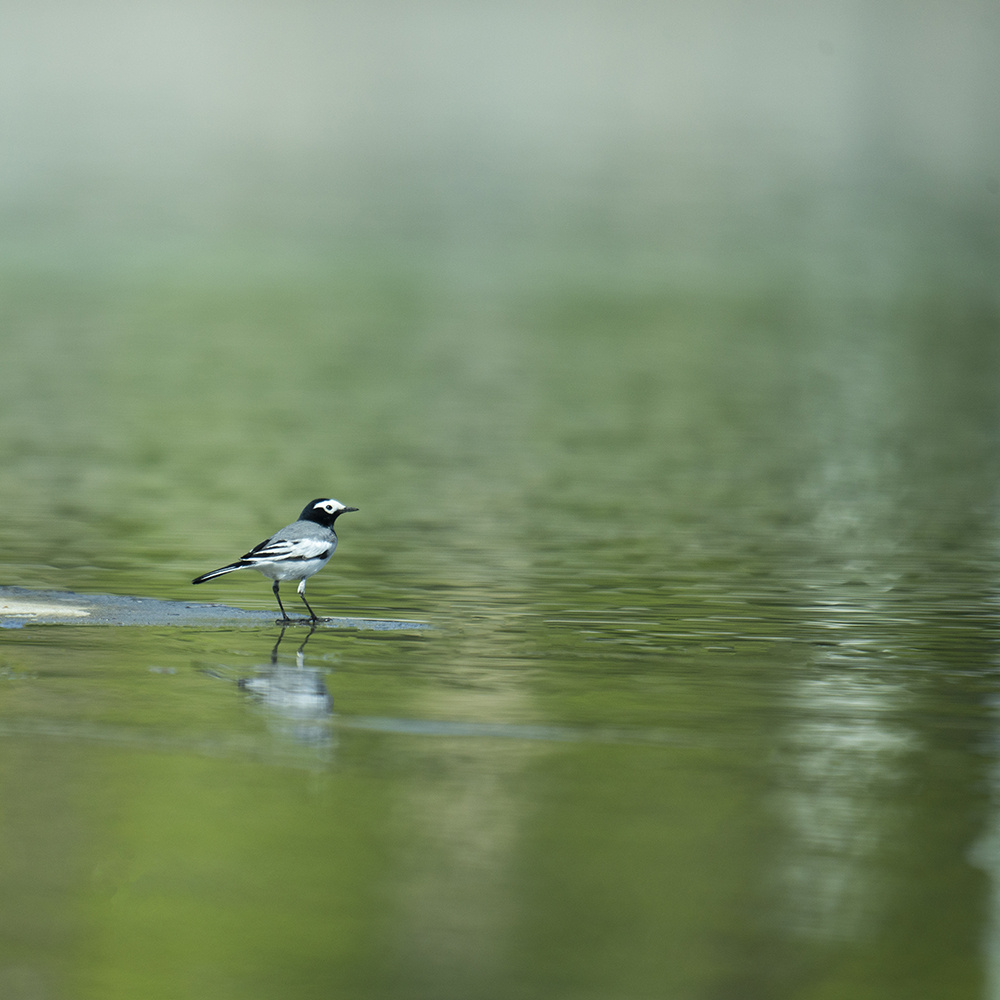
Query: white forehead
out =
(328, 505)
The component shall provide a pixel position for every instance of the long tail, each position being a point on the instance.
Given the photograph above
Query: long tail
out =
(221, 572)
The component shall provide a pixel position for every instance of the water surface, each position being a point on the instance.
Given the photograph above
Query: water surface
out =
(709, 703)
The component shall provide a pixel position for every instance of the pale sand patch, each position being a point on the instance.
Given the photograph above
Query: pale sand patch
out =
(31, 609)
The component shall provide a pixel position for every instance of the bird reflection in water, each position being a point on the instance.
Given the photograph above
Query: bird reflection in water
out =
(293, 697)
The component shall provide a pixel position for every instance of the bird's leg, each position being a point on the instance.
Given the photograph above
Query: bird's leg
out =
(302, 594)
(284, 613)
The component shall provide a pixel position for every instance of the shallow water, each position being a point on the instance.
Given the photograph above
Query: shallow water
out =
(693, 474)
(708, 708)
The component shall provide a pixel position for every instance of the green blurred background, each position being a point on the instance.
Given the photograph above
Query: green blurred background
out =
(658, 345)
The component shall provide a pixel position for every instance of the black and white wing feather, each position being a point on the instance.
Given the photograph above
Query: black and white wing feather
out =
(293, 553)
(279, 550)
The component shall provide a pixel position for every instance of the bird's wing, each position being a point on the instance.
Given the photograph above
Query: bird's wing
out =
(279, 549)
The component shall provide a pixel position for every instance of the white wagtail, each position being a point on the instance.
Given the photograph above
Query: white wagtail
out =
(295, 553)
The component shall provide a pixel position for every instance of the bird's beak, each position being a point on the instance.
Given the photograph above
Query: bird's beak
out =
(347, 510)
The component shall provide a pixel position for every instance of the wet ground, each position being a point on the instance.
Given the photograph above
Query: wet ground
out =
(20, 606)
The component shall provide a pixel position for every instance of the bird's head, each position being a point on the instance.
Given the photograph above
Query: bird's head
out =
(324, 512)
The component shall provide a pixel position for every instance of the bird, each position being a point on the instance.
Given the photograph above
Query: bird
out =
(296, 552)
